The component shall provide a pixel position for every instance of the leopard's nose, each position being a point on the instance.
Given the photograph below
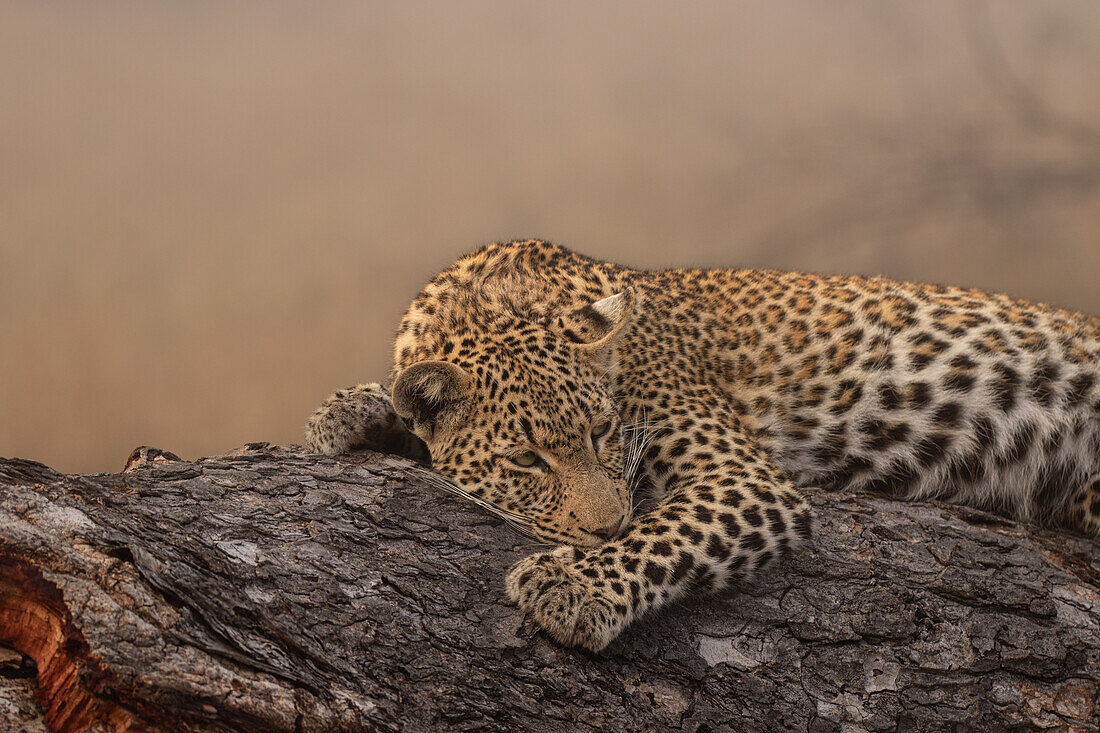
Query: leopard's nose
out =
(609, 531)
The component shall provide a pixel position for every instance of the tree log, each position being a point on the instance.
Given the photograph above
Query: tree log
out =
(270, 589)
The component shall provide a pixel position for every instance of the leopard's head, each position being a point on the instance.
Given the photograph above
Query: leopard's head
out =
(519, 416)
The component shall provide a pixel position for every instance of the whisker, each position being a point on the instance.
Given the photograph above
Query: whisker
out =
(638, 435)
(518, 522)
(442, 483)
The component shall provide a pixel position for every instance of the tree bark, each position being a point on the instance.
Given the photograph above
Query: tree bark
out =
(269, 589)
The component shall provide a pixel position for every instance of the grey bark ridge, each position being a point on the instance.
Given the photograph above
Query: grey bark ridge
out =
(270, 589)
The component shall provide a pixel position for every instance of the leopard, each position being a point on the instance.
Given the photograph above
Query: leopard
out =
(658, 427)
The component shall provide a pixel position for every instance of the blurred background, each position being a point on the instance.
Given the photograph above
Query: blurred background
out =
(214, 214)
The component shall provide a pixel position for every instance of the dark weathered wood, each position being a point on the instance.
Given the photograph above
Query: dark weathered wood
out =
(270, 589)
(19, 710)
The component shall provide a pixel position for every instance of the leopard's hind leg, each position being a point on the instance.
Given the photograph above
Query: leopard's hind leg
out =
(1084, 511)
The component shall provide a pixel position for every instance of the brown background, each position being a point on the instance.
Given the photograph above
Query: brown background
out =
(213, 214)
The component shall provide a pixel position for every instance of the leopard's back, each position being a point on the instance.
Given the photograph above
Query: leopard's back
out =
(915, 390)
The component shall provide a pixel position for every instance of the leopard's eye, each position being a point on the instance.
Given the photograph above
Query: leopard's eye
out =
(526, 459)
(600, 429)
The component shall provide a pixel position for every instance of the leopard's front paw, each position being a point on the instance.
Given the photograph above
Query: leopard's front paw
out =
(361, 416)
(551, 588)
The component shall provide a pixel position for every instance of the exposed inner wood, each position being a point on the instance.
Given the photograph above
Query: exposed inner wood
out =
(35, 621)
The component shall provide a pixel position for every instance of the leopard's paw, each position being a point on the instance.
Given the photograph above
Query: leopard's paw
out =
(361, 416)
(551, 588)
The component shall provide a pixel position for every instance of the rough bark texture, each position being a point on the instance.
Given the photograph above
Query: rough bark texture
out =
(270, 589)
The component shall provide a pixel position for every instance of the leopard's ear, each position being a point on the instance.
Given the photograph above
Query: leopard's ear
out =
(597, 327)
(431, 396)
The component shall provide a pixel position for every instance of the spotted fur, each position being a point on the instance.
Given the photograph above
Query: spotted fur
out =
(719, 392)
